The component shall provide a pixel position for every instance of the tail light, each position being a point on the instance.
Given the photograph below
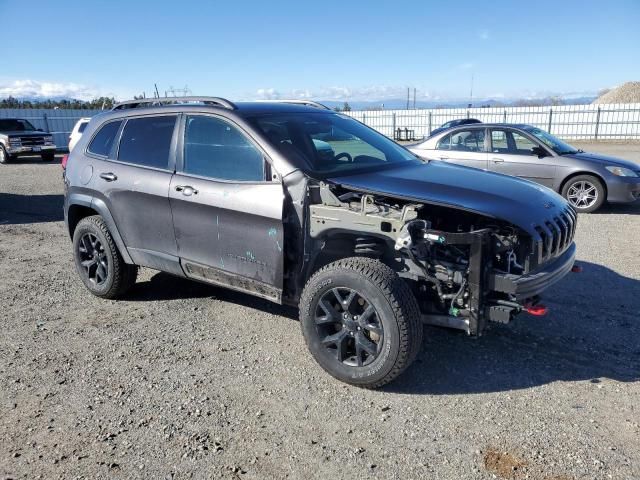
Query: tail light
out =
(65, 158)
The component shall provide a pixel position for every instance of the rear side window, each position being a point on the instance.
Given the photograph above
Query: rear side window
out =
(444, 143)
(82, 126)
(103, 140)
(146, 141)
(216, 149)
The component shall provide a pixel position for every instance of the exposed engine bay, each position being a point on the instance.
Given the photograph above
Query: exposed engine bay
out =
(460, 264)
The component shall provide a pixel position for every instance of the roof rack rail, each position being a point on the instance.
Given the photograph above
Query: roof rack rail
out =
(310, 103)
(151, 102)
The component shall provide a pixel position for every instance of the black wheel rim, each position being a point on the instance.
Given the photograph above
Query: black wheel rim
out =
(349, 327)
(93, 258)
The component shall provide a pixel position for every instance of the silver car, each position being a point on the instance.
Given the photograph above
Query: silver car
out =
(586, 180)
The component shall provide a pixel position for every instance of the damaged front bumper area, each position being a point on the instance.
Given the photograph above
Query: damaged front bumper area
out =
(465, 269)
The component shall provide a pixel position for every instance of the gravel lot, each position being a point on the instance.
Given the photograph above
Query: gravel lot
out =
(183, 380)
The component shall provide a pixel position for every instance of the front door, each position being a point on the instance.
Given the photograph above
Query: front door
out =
(464, 147)
(227, 211)
(511, 154)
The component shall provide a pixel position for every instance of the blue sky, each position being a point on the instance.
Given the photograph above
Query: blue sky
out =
(328, 50)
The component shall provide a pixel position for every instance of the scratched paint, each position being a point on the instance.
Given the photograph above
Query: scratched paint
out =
(221, 262)
(278, 245)
(250, 255)
(218, 226)
(273, 232)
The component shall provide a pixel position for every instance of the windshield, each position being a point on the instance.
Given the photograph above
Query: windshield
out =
(328, 143)
(15, 125)
(555, 144)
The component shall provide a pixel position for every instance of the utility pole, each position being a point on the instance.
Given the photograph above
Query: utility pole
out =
(414, 98)
(156, 87)
(408, 90)
(471, 92)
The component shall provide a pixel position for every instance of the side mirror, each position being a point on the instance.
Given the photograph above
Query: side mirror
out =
(539, 152)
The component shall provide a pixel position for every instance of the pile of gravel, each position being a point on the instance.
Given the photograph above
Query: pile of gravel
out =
(626, 93)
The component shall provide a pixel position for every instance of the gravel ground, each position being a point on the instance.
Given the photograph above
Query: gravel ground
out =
(183, 380)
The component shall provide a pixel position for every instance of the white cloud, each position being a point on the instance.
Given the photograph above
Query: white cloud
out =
(37, 89)
(340, 93)
(483, 34)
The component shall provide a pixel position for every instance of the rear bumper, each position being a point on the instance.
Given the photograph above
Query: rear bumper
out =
(623, 189)
(527, 286)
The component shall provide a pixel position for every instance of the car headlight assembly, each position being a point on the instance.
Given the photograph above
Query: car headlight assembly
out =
(48, 139)
(622, 172)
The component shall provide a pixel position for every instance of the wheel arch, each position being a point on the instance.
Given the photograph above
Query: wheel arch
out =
(583, 172)
(80, 206)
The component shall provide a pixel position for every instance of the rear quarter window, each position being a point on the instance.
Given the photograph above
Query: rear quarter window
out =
(82, 126)
(103, 140)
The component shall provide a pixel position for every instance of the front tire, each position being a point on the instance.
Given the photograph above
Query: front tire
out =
(4, 156)
(361, 322)
(98, 261)
(585, 193)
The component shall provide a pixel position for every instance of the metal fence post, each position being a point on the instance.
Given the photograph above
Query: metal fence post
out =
(550, 118)
(46, 122)
(597, 122)
(504, 117)
(429, 122)
(393, 123)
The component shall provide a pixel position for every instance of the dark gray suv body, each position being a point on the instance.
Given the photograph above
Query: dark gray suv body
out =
(301, 205)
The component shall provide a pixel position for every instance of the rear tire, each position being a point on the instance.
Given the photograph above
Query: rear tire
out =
(98, 261)
(48, 156)
(585, 193)
(4, 156)
(361, 322)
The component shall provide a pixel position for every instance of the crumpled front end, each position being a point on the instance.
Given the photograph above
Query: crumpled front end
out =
(465, 269)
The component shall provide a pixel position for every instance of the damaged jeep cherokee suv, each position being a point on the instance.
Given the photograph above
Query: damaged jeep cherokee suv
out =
(300, 205)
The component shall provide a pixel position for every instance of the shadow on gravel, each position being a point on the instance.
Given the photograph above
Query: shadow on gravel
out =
(21, 209)
(619, 209)
(591, 332)
(35, 159)
(163, 286)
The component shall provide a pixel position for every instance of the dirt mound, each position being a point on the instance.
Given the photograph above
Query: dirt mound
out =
(626, 93)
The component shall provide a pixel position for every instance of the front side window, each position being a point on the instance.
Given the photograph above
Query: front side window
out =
(468, 140)
(103, 140)
(499, 141)
(554, 143)
(510, 142)
(329, 143)
(216, 149)
(146, 141)
(522, 144)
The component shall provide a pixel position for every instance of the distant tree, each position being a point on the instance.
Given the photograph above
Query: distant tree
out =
(346, 107)
(96, 103)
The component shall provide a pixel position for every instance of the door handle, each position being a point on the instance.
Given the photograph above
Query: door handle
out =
(444, 158)
(108, 176)
(186, 190)
(497, 160)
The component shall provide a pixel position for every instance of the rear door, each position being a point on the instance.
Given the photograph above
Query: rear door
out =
(511, 154)
(134, 179)
(227, 209)
(464, 147)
